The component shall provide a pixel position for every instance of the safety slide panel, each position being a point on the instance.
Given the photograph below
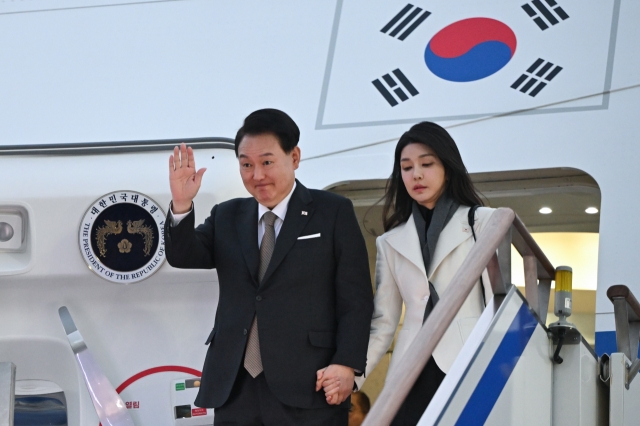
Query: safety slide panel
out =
(580, 397)
(624, 405)
(501, 365)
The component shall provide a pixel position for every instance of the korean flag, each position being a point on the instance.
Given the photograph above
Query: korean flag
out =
(396, 62)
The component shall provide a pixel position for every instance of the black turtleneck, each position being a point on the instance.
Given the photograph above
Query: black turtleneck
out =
(427, 214)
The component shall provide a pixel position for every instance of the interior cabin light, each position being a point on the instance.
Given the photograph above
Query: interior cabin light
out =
(591, 210)
(545, 210)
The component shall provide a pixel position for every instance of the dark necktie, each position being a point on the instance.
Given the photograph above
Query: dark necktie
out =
(252, 359)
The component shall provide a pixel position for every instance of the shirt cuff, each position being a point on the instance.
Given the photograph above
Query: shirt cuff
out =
(177, 218)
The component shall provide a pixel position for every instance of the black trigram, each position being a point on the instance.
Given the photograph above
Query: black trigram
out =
(546, 12)
(406, 21)
(544, 73)
(395, 87)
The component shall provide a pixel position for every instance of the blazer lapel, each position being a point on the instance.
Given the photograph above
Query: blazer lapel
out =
(294, 223)
(456, 231)
(407, 243)
(247, 229)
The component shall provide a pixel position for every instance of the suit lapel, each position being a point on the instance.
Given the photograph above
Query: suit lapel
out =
(456, 232)
(407, 243)
(294, 223)
(247, 229)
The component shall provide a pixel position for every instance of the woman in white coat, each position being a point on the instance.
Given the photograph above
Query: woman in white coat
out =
(428, 235)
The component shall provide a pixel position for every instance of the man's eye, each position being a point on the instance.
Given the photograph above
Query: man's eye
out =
(245, 165)
(266, 163)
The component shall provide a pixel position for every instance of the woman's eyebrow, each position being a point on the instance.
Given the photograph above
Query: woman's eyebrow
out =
(420, 156)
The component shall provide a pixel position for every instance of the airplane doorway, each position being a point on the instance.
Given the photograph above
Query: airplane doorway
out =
(559, 206)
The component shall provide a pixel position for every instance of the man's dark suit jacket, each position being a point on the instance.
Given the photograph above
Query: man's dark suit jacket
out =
(314, 304)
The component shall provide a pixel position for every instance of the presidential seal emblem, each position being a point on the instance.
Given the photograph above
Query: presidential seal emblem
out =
(122, 237)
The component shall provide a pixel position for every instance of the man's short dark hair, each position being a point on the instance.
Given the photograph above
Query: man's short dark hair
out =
(362, 401)
(270, 121)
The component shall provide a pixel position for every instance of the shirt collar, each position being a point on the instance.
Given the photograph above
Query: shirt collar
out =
(279, 210)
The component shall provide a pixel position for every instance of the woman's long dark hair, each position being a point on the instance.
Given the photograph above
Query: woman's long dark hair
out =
(397, 201)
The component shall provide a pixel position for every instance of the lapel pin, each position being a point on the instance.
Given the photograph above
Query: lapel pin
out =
(304, 213)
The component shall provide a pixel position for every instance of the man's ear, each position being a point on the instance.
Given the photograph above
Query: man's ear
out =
(295, 156)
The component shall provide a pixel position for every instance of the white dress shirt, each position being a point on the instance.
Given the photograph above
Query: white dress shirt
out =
(279, 210)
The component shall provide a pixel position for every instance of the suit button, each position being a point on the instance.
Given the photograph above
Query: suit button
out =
(258, 298)
(244, 331)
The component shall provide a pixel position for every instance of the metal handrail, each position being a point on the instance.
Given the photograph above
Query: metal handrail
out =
(533, 247)
(622, 292)
(496, 235)
(117, 147)
(627, 316)
(538, 270)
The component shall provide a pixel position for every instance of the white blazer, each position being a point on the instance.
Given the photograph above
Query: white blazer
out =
(401, 277)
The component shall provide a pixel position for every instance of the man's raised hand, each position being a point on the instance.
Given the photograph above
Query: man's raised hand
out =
(183, 178)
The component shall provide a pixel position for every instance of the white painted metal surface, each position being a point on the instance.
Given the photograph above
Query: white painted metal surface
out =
(494, 401)
(161, 321)
(7, 392)
(579, 397)
(103, 70)
(495, 381)
(624, 409)
(110, 408)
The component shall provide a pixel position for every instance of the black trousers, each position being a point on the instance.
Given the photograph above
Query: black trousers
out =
(252, 403)
(420, 395)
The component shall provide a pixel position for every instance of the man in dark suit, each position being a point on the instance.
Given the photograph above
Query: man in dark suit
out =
(295, 289)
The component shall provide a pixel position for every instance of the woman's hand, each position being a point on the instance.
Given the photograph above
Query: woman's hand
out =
(337, 383)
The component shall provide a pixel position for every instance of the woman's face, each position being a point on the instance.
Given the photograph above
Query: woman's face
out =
(423, 174)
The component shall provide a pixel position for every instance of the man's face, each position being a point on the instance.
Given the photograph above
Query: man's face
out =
(267, 172)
